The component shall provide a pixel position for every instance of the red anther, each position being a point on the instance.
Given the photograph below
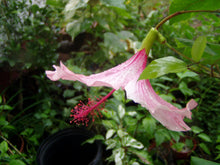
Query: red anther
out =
(82, 112)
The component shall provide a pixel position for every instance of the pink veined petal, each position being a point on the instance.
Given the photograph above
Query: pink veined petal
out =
(167, 114)
(116, 77)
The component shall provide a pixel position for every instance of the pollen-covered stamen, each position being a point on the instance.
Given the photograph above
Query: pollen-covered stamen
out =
(81, 111)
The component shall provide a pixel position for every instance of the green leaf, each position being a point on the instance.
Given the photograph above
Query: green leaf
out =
(218, 147)
(205, 148)
(175, 135)
(178, 146)
(114, 3)
(119, 156)
(180, 5)
(91, 140)
(131, 142)
(217, 157)
(3, 147)
(56, 3)
(218, 139)
(72, 6)
(196, 129)
(108, 124)
(74, 28)
(121, 111)
(119, 95)
(110, 133)
(161, 136)
(184, 89)
(121, 133)
(163, 66)
(200, 161)
(211, 54)
(68, 93)
(114, 43)
(111, 143)
(205, 137)
(149, 123)
(188, 73)
(0, 99)
(16, 162)
(198, 48)
(141, 154)
(5, 107)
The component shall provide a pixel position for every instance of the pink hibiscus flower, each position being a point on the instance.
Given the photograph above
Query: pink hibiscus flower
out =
(125, 76)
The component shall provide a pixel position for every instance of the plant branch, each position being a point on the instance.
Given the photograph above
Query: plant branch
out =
(11, 145)
(213, 74)
(182, 12)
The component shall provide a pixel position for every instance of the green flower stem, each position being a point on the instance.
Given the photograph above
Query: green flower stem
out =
(182, 12)
(149, 40)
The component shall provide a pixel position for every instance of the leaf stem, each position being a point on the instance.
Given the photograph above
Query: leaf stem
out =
(11, 145)
(213, 74)
(182, 12)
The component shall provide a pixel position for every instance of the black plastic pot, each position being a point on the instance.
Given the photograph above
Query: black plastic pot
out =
(65, 148)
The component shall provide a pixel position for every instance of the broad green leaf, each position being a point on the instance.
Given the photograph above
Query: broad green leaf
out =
(161, 136)
(16, 162)
(56, 3)
(68, 93)
(163, 66)
(211, 52)
(111, 143)
(126, 35)
(5, 107)
(218, 147)
(119, 156)
(109, 124)
(0, 99)
(196, 129)
(131, 142)
(141, 154)
(121, 111)
(188, 73)
(74, 28)
(218, 139)
(180, 5)
(3, 147)
(217, 157)
(200, 161)
(119, 95)
(149, 123)
(205, 148)
(131, 122)
(114, 3)
(114, 42)
(205, 137)
(121, 133)
(72, 6)
(198, 48)
(178, 146)
(110, 133)
(175, 135)
(184, 89)
(91, 140)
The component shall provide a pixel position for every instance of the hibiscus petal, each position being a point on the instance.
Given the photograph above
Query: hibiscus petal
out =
(167, 114)
(116, 77)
